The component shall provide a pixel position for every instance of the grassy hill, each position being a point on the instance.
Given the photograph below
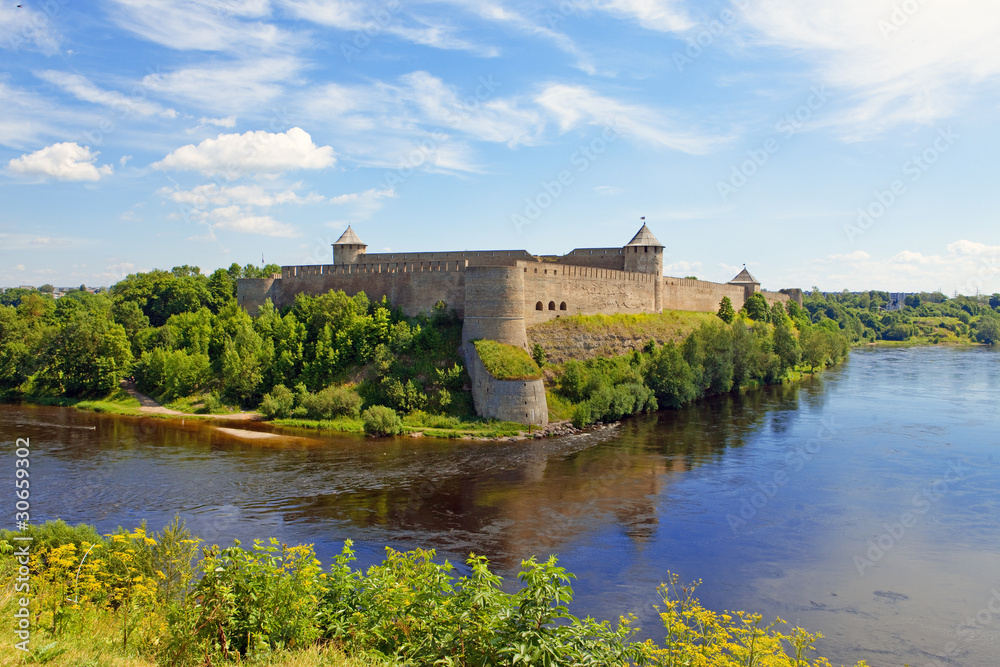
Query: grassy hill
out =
(588, 336)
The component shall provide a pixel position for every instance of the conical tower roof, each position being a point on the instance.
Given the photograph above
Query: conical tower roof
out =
(349, 238)
(744, 277)
(645, 237)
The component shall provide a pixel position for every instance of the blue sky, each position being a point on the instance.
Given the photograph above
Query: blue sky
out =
(836, 143)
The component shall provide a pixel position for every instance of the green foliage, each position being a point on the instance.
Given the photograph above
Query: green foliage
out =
(757, 308)
(273, 604)
(381, 421)
(507, 362)
(278, 403)
(988, 329)
(538, 355)
(252, 602)
(172, 374)
(726, 312)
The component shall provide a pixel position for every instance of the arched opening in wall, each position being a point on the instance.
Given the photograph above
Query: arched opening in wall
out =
(562, 306)
(552, 305)
(538, 306)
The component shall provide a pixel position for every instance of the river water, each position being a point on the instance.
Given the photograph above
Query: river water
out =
(864, 503)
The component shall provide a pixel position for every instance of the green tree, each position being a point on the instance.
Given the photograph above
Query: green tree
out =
(726, 312)
(988, 329)
(88, 356)
(786, 346)
(670, 377)
(756, 308)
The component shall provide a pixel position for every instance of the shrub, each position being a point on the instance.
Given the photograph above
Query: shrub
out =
(279, 403)
(380, 421)
(330, 403)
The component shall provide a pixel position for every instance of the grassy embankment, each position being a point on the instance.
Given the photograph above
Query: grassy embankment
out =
(933, 330)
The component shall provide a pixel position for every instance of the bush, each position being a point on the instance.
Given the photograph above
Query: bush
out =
(279, 403)
(330, 403)
(380, 420)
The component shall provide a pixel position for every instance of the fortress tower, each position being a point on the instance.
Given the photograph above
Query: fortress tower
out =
(644, 254)
(348, 248)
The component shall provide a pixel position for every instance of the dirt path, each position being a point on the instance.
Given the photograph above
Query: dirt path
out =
(148, 406)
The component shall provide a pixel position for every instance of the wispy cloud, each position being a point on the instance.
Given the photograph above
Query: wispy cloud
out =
(892, 66)
(83, 89)
(574, 105)
(192, 25)
(24, 27)
(230, 87)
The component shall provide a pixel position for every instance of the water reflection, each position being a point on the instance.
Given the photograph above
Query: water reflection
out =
(621, 507)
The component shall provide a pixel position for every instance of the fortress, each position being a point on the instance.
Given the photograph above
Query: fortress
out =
(498, 293)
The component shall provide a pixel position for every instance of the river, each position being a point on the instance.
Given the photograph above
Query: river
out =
(863, 503)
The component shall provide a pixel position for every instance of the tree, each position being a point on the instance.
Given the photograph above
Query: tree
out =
(786, 345)
(912, 300)
(988, 329)
(670, 377)
(726, 312)
(538, 354)
(756, 308)
(88, 356)
(995, 301)
(47, 288)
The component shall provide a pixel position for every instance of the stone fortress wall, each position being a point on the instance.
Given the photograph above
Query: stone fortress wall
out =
(498, 293)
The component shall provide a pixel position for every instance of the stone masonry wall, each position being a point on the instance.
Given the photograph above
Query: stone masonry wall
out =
(521, 401)
(699, 295)
(413, 286)
(580, 290)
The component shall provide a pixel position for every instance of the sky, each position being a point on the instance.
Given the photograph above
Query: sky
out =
(842, 144)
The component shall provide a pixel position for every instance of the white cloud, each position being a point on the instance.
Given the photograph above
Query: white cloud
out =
(889, 66)
(848, 257)
(237, 219)
(199, 25)
(67, 161)
(211, 194)
(259, 151)
(360, 197)
(608, 190)
(33, 242)
(227, 122)
(660, 15)
(963, 266)
(682, 268)
(228, 87)
(373, 21)
(575, 105)
(23, 26)
(124, 105)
